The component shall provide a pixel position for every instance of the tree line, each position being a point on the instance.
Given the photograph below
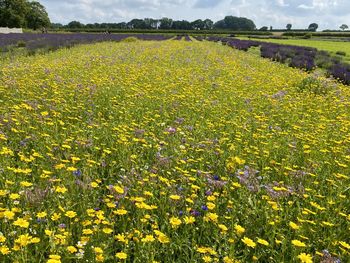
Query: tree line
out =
(229, 23)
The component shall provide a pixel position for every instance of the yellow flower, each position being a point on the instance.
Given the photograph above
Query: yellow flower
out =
(107, 230)
(223, 227)
(211, 217)
(61, 189)
(98, 250)
(202, 250)
(14, 196)
(207, 259)
(23, 240)
(71, 214)
(119, 190)
(148, 238)
(35, 240)
(54, 259)
(9, 214)
(262, 242)
(239, 229)
(55, 217)
(248, 242)
(5, 250)
(41, 214)
(344, 244)
(72, 249)
(298, 243)
(305, 258)
(189, 220)
(21, 223)
(175, 222)
(99, 258)
(121, 255)
(293, 225)
(175, 197)
(94, 184)
(87, 232)
(121, 212)
(2, 238)
(25, 184)
(211, 205)
(121, 238)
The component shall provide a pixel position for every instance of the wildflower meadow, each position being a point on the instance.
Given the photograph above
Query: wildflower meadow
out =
(171, 151)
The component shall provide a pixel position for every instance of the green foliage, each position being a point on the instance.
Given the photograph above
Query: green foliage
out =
(307, 36)
(343, 27)
(313, 27)
(75, 24)
(341, 53)
(13, 13)
(313, 85)
(235, 23)
(37, 16)
(21, 44)
(22, 13)
(129, 39)
(165, 23)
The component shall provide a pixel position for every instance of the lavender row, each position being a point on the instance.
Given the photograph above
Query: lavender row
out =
(306, 58)
(36, 41)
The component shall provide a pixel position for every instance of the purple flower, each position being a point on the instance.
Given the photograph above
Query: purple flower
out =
(195, 213)
(171, 130)
(204, 207)
(77, 173)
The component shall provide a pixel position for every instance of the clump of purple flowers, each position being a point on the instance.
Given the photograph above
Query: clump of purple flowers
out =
(248, 177)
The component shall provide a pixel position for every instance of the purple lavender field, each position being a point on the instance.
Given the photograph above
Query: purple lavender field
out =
(54, 41)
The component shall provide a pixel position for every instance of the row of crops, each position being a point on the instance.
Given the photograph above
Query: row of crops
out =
(306, 58)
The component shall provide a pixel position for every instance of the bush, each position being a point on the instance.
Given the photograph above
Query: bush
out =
(21, 44)
(341, 53)
(129, 39)
(313, 85)
(307, 36)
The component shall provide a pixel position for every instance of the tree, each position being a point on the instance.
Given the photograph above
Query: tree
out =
(37, 16)
(289, 27)
(13, 13)
(198, 24)
(264, 28)
(313, 27)
(181, 25)
(343, 27)
(75, 24)
(137, 24)
(208, 24)
(151, 23)
(236, 24)
(56, 25)
(220, 24)
(165, 23)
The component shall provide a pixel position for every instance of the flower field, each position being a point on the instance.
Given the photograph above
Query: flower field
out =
(171, 151)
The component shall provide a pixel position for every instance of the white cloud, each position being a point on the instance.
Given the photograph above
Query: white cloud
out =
(278, 13)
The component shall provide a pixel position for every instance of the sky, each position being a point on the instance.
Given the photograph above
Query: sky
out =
(328, 14)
